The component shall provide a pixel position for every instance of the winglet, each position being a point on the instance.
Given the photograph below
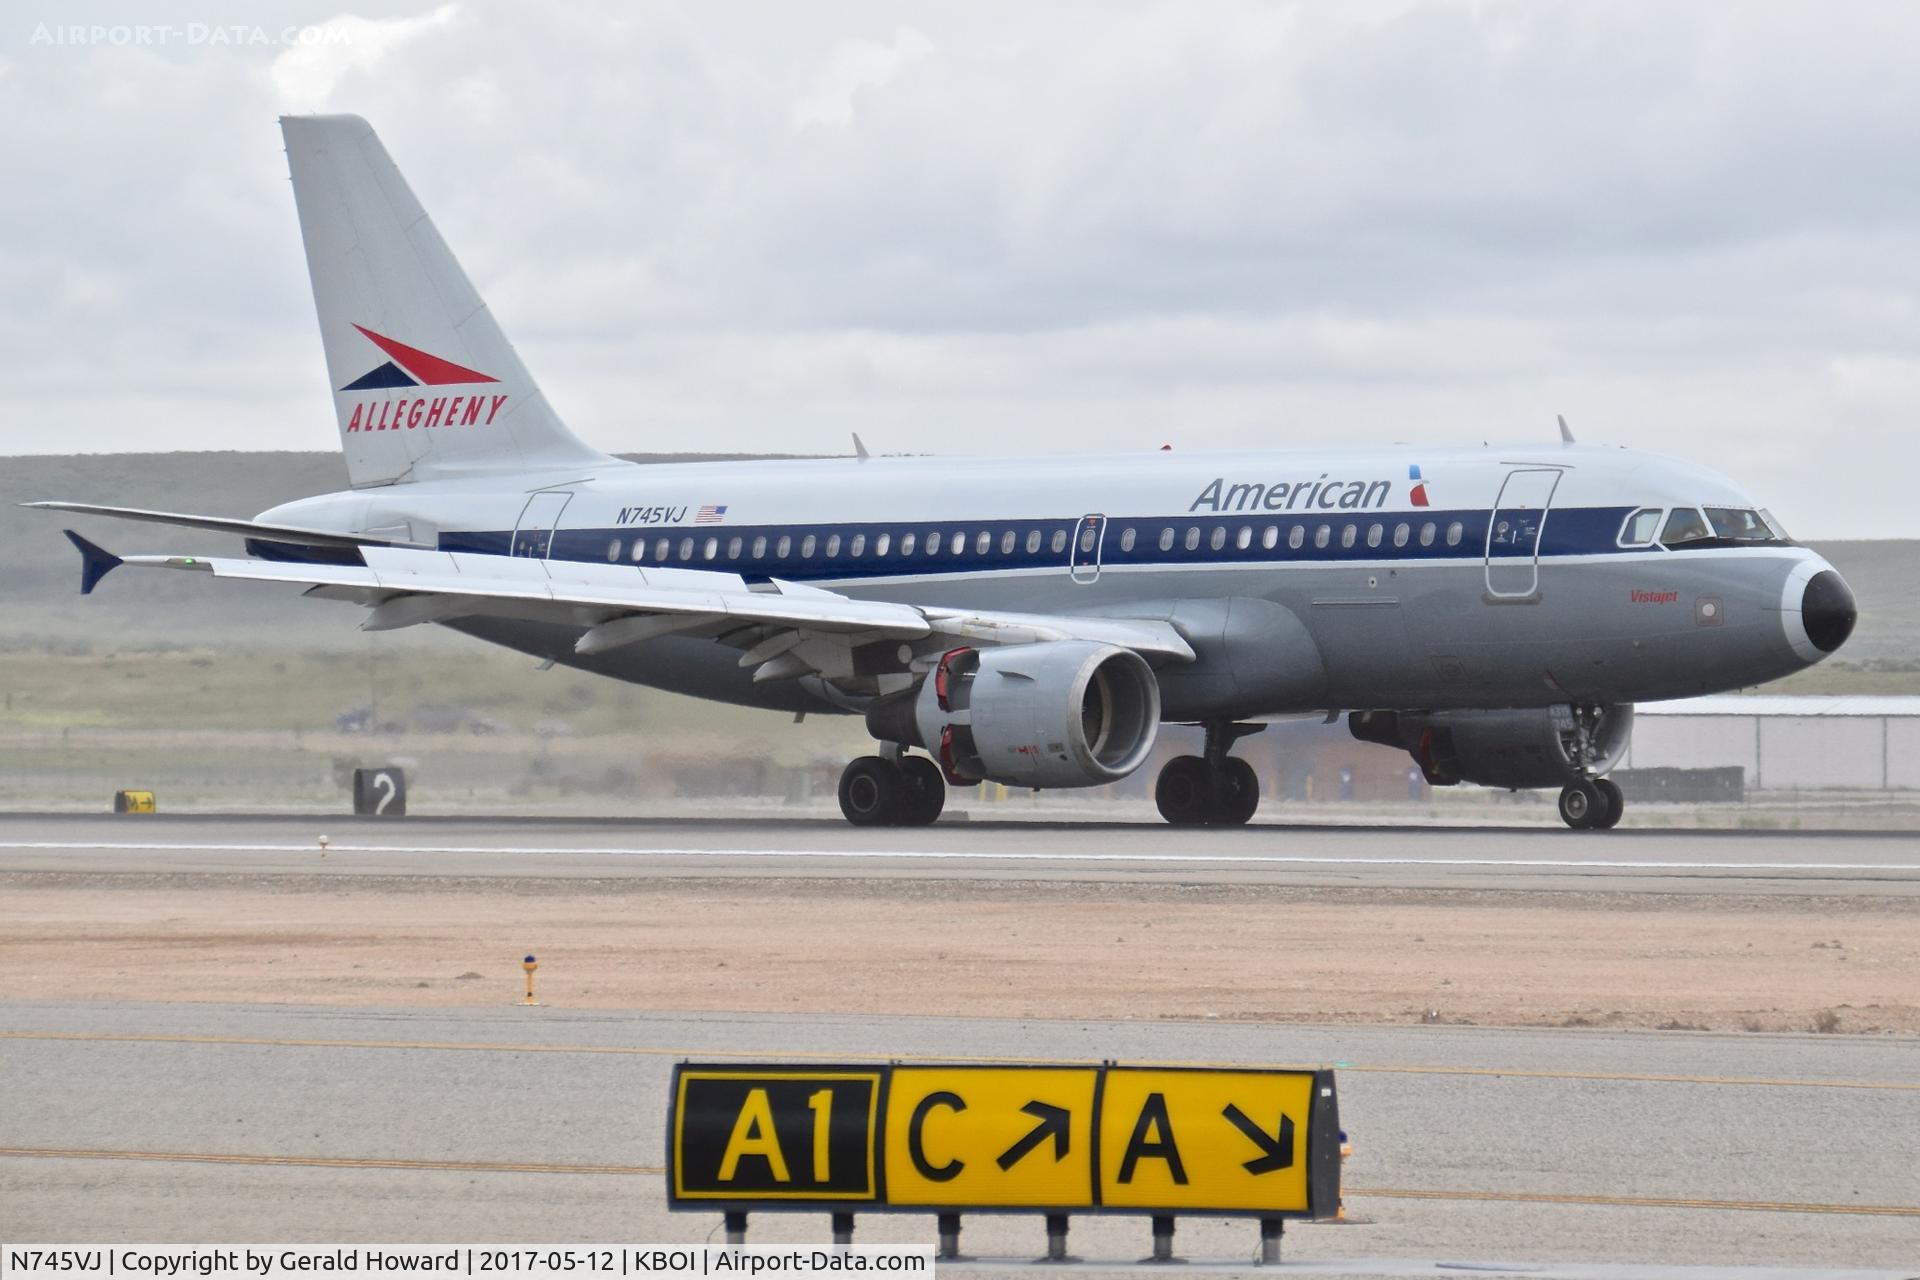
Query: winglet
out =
(96, 562)
(1566, 432)
(859, 449)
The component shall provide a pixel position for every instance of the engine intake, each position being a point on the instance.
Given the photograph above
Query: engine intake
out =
(1067, 713)
(1519, 748)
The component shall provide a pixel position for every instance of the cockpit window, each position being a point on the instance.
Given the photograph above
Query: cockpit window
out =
(1773, 523)
(1738, 525)
(1683, 526)
(1640, 527)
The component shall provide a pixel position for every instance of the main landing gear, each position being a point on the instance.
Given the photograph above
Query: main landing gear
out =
(1592, 804)
(1215, 789)
(901, 791)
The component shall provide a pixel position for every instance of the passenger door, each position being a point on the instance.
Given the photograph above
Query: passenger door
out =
(533, 534)
(1513, 534)
(1083, 553)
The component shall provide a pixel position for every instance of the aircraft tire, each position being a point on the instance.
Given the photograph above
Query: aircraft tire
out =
(1236, 793)
(1616, 803)
(871, 790)
(1582, 806)
(1184, 792)
(923, 795)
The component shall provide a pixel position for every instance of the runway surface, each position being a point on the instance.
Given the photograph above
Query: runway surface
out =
(1474, 1146)
(1483, 858)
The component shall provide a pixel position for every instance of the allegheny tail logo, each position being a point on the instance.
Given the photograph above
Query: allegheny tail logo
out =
(411, 367)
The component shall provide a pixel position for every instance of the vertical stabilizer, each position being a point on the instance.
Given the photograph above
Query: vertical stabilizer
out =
(425, 384)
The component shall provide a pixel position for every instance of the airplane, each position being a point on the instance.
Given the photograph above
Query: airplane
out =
(1494, 611)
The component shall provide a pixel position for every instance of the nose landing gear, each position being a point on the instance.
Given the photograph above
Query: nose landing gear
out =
(1211, 790)
(907, 791)
(1592, 804)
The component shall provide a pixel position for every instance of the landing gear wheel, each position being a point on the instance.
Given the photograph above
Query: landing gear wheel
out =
(871, 791)
(1185, 791)
(1236, 793)
(923, 792)
(1616, 803)
(1582, 807)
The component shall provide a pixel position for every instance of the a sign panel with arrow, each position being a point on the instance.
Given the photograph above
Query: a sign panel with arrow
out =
(1042, 1138)
(976, 1136)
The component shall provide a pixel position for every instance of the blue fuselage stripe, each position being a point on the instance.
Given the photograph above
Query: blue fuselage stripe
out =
(1568, 531)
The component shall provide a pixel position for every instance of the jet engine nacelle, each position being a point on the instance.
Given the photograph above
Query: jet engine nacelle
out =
(1067, 713)
(1529, 747)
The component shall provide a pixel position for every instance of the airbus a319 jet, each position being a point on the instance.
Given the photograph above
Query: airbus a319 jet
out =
(1493, 611)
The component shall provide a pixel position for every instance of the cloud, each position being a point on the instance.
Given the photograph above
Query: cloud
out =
(856, 65)
(1000, 227)
(306, 74)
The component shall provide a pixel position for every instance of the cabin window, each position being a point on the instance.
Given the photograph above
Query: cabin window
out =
(880, 543)
(1006, 543)
(1033, 542)
(983, 543)
(662, 549)
(639, 551)
(613, 550)
(783, 548)
(1086, 538)
(686, 548)
(1193, 539)
(1683, 526)
(1126, 539)
(1455, 532)
(1323, 535)
(1349, 535)
(906, 543)
(858, 547)
(959, 545)
(1400, 534)
(833, 545)
(1298, 538)
(1166, 539)
(1639, 528)
(1243, 539)
(1271, 538)
(1059, 541)
(807, 544)
(760, 548)
(1374, 534)
(1427, 532)
(711, 549)
(933, 543)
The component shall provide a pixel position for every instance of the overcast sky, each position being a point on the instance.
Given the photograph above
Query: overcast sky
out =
(980, 228)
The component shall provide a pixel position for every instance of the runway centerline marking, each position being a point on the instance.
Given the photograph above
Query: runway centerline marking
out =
(775, 1055)
(1225, 859)
(637, 1170)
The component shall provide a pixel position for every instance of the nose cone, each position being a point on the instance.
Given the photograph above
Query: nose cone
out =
(1827, 610)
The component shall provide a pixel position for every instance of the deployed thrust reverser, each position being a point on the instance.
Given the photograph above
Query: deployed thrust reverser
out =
(1569, 747)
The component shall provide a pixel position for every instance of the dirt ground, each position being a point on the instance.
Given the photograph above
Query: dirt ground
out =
(964, 948)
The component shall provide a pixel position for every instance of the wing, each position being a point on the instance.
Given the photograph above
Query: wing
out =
(224, 524)
(784, 629)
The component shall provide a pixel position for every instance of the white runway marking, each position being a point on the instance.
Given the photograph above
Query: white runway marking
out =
(1235, 859)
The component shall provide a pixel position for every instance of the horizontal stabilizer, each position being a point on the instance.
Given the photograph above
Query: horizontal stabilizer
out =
(96, 562)
(224, 524)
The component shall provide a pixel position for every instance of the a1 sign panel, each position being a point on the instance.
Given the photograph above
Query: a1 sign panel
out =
(775, 1134)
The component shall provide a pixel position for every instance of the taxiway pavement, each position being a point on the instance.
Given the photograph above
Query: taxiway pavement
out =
(1844, 863)
(179, 1122)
